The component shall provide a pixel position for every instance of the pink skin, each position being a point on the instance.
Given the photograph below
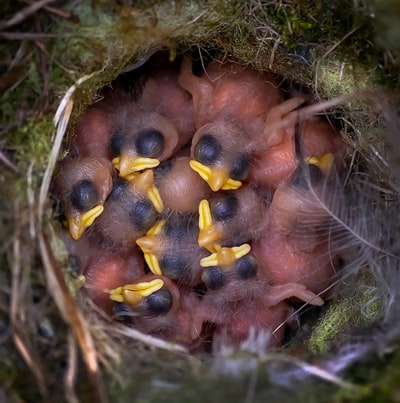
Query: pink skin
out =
(173, 101)
(294, 247)
(248, 318)
(243, 305)
(229, 91)
(92, 134)
(181, 189)
(109, 270)
(275, 159)
(181, 324)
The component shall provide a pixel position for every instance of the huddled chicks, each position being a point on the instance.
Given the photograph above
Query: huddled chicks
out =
(192, 213)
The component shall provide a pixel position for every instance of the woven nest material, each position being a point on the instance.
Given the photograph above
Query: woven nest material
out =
(57, 55)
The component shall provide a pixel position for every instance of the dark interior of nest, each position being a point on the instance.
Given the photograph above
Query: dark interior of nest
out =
(195, 199)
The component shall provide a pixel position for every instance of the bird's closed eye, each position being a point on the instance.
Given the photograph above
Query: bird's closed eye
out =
(149, 143)
(84, 195)
(159, 303)
(213, 278)
(246, 267)
(224, 207)
(143, 214)
(208, 150)
(240, 167)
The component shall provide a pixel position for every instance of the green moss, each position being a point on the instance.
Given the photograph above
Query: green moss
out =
(356, 309)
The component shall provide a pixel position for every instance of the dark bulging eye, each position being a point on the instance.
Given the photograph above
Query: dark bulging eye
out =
(224, 207)
(304, 178)
(240, 167)
(213, 278)
(149, 143)
(143, 214)
(116, 143)
(84, 195)
(159, 303)
(174, 267)
(208, 150)
(246, 267)
(118, 189)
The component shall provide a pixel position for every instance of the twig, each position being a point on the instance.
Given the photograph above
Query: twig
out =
(54, 277)
(58, 12)
(21, 15)
(8, 163)
(25, 36)
(18, 326)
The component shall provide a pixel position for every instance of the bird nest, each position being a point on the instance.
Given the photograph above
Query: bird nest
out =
(58, 58)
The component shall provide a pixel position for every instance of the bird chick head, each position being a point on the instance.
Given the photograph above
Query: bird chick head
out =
(145, 140)
(227, 263)
(83, 184)
(149, 297)
(215, 156)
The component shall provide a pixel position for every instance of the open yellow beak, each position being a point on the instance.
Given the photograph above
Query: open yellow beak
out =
(216, 177)
(225, 257)
(150, 246)
(209, 234)
(128, 164)
(144, 183)
(133, 294)
(77, 224)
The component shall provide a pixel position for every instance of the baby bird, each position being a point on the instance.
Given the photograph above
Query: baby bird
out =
(91, 136)
(240, 299)
(228, 91)
(227, 264)
(103, 268)
(133, 133)
(256, 322)
(173, 101)
(158, 124)
(138, 130)
(231, 218)
(132, 208)
(220, 154)
(82, 185)
(142, 141)
(156, 306)
(295, 246)
(170, 248)
(181, 189)
(231, 103)
(274, 157)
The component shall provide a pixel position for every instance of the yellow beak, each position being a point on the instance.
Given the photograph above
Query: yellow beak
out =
(225, 257)
(133, 294)
(128, 164)
(209, 234)
(144, 183)
(77, 224)
(216, 177)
